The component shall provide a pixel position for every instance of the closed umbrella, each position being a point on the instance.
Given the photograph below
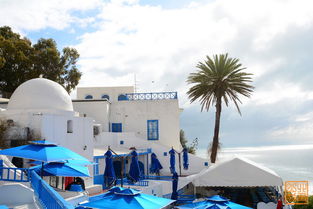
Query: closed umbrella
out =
(155, 164)
(214, 202)
(109, 173)
(185, 159)
(134, 170)
(172, 160)
(63, 169)
(126, 198)
(174, 195)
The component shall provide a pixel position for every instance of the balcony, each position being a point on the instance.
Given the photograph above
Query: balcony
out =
(151, 96)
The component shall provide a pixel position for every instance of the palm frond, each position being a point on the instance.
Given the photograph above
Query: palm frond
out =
(219, 77)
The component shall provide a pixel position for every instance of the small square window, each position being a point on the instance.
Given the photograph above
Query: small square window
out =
(165, 153)
(121, 142)
(206, 164)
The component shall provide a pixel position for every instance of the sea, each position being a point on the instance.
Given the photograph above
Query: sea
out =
(291, 162)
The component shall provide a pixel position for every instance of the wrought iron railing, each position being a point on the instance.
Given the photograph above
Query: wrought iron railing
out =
(141, 183)
(14, 174)
(46, 195)
(151, 96)
(162, 178)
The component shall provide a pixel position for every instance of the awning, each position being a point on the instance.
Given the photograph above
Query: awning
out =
(237, 172)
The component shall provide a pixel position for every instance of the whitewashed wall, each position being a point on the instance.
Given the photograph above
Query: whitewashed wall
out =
(134, 115)
(196, 164)
(97, 92)
(54, 128)
(98, 110)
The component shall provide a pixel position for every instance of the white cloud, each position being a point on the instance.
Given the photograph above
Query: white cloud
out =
(162, 46)
(154, 42)
(25, 15)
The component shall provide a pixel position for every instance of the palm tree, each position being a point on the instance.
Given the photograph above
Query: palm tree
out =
(219, 79)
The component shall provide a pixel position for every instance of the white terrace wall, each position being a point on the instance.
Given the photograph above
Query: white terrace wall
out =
(79, 140)
(196, 164)
(98, 110)
(97, 92)
(134, 116)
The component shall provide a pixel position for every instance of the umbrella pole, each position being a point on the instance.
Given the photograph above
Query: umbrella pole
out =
(179, 164)
(122, 172)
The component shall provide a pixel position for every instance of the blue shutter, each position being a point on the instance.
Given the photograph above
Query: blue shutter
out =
(116, 127)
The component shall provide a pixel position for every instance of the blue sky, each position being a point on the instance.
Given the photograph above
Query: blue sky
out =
(162, 41)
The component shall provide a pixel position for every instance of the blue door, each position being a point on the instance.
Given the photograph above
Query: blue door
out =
(116, 127)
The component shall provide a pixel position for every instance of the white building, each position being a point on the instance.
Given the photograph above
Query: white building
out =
(101, 117)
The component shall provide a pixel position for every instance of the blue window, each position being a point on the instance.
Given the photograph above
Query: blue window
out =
(153, 129)
(206, 164)
(116, 127)
(88, 96)
(122, 97)
(105, 96)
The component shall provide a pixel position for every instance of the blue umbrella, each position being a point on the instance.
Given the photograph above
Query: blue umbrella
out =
(134, 170)
(126, 198)
(214, 202)
(44, 151)
(109, 173)
(155, 164)
(62, 169)
(174, 195)
(172, 160)
(185, 159)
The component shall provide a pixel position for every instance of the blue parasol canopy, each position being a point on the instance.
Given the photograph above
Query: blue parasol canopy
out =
(44, 151)
(134, 170)
(214, 202)
(109, 173)
(155, 164)
(185, 159)
(174, 195)
(62, 169)
(126, 198)
(172, 160)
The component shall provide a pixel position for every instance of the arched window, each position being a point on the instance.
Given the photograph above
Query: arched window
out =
(105, 96)
(122, 97)
(88, 96)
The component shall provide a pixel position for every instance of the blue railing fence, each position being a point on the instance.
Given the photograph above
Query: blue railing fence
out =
(14, 174)
(46, 195)
(151, 96)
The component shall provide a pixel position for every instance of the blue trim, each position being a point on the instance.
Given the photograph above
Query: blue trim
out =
(105, 96)
(121, 155)
(122, 97)
(23, 171)
(1, 170)
(151, 96)
(88, 96)
(47, 196)
(153, 129)
(116, 127)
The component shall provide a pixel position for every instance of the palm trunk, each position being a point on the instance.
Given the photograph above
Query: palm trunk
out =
(216, 130)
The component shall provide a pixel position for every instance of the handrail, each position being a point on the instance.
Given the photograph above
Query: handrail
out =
(19, 174)
(151, 96)
(142, 183)
(46, 195)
